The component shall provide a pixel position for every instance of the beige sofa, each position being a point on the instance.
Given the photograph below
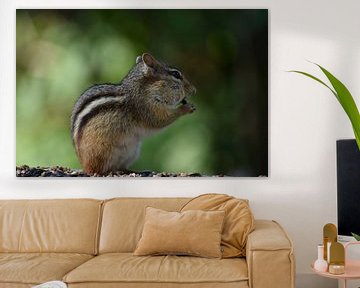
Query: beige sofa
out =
(89, 243)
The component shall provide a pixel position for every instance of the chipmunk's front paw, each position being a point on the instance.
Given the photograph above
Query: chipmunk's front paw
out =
(188, 108)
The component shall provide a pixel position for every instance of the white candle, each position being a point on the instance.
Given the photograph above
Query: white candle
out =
(336, 269)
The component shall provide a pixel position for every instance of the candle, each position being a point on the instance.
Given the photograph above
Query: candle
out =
(336, 269)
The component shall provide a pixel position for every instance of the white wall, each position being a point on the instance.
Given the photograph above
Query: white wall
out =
(305, 120)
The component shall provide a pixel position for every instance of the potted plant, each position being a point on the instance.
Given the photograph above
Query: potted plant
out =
(346, 100)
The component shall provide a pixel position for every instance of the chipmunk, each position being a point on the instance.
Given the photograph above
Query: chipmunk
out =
(109, 121)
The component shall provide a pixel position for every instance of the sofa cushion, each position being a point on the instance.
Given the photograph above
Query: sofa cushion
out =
(193, 232)
(123, 220)
(239, 220)
(36, 268)
(126, 268)
(64, 226)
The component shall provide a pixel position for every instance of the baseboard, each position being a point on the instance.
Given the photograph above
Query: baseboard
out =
(309, 280)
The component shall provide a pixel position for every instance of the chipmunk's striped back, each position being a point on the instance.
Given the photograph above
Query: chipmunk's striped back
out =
(95, 100)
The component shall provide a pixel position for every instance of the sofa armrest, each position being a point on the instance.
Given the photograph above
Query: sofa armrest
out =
(269, 256)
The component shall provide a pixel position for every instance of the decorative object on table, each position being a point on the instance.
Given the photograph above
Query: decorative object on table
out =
(336, 269)
(51, 284)
(320, 264)
(329, 236)
(337, 258)
(349, 271)
(333, 252)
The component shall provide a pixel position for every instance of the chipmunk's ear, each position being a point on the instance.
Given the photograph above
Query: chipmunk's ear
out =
(138, 59)
(149, 60)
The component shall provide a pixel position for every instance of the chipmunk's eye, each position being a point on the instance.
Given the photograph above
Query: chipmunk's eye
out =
(176, 74)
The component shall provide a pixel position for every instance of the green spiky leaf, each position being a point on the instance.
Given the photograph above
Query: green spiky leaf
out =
(316, 79)
(356, 236)
(344, 97)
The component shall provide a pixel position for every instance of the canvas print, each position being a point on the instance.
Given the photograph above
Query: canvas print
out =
(142, 93)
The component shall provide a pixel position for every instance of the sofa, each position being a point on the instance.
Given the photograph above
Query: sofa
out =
(90, 243)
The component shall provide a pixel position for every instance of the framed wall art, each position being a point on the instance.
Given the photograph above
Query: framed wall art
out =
(148, 93)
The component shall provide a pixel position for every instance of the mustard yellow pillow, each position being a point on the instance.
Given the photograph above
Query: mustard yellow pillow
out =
(238, 223)
(193, 232)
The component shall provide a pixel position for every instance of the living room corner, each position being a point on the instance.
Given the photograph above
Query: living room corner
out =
(304, 124)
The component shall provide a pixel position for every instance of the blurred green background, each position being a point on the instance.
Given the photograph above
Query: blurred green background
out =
(224, 53)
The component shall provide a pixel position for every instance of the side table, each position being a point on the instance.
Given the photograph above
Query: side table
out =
(352, 268)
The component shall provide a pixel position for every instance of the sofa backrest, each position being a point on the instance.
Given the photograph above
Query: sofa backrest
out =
(68, 226)
(123, 220)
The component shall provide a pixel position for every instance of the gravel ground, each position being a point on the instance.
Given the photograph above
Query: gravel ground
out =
(57, 171)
